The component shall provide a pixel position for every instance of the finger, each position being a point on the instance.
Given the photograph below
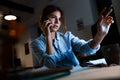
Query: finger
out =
(48, 24)
(44, 25)
(103, 11)
(100, 19)
(109, 20)
(108, 13)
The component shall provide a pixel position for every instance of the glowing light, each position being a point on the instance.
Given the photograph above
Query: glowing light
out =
(10, 17)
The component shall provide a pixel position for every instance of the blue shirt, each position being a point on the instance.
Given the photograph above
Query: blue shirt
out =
(64, 47)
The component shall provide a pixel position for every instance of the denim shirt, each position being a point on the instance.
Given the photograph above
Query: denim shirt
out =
(64, 47)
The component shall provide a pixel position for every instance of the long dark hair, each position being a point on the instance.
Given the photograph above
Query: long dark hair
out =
(49, 9)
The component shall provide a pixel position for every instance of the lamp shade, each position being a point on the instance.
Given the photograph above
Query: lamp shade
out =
(10, 16)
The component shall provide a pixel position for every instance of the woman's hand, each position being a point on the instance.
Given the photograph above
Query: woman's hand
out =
(104, 23)
(46, 28)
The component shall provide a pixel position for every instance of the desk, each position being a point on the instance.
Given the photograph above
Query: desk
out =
(102, 73)
(79, 73)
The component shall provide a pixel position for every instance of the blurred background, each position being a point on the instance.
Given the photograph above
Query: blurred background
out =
(17, 33)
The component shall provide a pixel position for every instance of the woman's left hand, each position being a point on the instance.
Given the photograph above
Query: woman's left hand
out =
(103, 25)
(104, 22)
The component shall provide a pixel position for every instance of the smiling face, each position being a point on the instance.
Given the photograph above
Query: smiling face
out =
(55, 20)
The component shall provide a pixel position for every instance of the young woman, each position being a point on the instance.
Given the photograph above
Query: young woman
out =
(56, 49)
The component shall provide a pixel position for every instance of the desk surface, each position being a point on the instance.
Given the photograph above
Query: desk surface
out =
(102, 73)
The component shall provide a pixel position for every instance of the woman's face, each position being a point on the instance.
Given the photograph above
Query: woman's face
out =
(55, 19)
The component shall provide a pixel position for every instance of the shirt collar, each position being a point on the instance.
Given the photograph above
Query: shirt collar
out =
(58, 35)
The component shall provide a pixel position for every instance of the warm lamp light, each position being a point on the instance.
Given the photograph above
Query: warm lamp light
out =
(10, 16)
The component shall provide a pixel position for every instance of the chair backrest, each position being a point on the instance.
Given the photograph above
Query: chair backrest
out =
(111, 53)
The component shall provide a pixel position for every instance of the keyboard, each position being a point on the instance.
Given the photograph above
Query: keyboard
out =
(39, 73)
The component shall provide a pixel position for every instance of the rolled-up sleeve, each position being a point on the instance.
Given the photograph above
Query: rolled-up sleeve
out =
(81, 46)
(49, 60)
(86, 49)
(38, 50)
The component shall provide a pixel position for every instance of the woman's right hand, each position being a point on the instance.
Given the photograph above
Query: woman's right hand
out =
(46, 28)
(46, 31)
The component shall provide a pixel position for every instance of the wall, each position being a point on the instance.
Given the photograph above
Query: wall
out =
(75, 10)
(26, 59)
